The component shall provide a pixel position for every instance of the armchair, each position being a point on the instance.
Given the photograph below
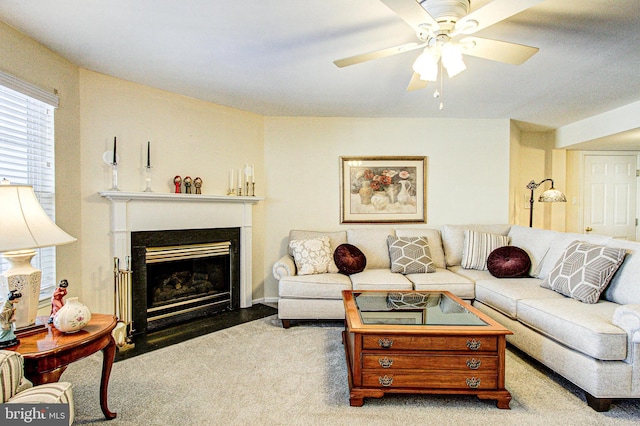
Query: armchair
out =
(15, 388)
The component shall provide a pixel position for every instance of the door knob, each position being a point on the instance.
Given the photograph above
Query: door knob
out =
(588, 229)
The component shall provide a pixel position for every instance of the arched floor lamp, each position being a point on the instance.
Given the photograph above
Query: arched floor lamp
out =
(551, 195)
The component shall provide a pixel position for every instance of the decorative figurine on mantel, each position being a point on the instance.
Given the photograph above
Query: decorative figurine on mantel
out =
(56, 298)
(187, 184)
(7, 318)
(197, 182)
(177, 181)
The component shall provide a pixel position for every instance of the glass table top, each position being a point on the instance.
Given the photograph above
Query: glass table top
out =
(413, 308)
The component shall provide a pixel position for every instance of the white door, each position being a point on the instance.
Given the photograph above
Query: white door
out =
(610, 196)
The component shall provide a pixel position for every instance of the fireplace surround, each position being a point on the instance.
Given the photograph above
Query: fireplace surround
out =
(179, 275)
(139, 212)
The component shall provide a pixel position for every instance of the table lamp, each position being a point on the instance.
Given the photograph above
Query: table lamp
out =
(25, 227)
(551, 195)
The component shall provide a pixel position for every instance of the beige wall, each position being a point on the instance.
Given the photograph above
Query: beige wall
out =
(29, 61)
(188, 137)
(468, 171)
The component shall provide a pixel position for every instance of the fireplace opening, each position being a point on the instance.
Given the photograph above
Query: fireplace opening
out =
(179, 275)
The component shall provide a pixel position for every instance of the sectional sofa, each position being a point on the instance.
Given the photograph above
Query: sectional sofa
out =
(592, 340)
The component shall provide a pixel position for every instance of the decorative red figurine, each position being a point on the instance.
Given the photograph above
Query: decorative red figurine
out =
(56, 298)
(177, 181)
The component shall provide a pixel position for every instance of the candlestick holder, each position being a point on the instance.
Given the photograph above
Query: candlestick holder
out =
(147, 179)
(231, 191)
(246, 185)
(240, 191)
(253, 189)
(114, 177)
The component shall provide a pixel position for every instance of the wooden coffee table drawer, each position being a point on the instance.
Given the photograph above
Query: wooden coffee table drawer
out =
(431, 343)
(418, 379)
(392, 361)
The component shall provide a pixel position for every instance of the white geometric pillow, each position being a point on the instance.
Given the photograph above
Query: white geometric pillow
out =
(410, 255)
(311, 256)
(478, 246)
(584, 271)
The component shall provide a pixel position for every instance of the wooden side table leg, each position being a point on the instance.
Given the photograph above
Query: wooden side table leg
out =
(108, 355)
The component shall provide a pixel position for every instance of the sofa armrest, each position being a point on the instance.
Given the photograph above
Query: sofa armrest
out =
(627, 317)
(284, 267)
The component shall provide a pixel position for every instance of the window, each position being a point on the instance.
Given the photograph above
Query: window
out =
(27, 156)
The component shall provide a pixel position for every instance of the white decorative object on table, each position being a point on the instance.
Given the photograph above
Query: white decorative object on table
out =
(72, 317)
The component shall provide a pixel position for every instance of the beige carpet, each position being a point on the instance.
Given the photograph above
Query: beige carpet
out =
(260, 374)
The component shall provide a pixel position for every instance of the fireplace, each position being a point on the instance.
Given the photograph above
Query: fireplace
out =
(179, 275)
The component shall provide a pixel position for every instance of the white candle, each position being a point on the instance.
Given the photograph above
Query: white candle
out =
(247, 172)
(253, 175)
(230, 180)
(239, 178)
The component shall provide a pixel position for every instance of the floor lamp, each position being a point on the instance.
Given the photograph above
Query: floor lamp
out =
(551, 195)
(25, 227)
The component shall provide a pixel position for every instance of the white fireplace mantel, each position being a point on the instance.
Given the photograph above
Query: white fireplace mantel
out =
(153, 211)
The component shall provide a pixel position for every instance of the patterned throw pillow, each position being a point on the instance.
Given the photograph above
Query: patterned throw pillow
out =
(311, 256)
(478, 246)
(584, 271)
(410, 255)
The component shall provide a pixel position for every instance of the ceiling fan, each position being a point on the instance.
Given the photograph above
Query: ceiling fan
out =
(443, 28)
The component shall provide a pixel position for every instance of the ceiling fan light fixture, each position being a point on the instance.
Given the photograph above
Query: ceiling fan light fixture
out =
(427, 65)
(452, 60)
(467, 26)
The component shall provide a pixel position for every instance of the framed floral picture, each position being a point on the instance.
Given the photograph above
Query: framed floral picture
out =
(383, 189)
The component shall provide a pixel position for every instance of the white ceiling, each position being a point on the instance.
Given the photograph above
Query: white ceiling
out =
(276, 57)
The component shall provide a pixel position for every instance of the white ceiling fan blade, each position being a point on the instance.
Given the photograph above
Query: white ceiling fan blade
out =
(412, 13)
(352, 60)
(416, 83)
(496, 11)
(501, 51)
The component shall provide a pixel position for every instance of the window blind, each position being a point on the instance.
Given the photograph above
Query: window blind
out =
(27, 156)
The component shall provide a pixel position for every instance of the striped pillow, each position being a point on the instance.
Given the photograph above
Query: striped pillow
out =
(478, 246)
(11, 373)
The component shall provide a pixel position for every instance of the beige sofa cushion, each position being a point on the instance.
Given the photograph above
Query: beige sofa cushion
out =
(560, 243)
(624, 287)
(373, 243)
(320, 286)
(534, 241)
(433, 237)
(586, 328)
(335, 239)
(503, 294)
(443, 279)
(380, 279)
(453, 239)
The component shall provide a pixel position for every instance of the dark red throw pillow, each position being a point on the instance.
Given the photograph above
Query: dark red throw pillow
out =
(509, 262)
(349, 259)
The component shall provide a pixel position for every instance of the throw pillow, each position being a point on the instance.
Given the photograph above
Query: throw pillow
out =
(509, 262)
(311, 256)
(584, 270)
(478, 246)
(349, 259)
(410, 255)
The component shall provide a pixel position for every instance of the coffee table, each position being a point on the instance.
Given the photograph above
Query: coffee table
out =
(428, 342)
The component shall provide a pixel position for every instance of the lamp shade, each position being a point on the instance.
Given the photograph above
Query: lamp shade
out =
(552, 196)
(25, 224)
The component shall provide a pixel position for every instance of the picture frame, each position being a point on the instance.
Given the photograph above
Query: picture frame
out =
(386, 189)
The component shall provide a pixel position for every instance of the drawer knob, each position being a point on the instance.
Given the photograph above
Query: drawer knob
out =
(474, 344)
(385, 343)
(473, 363)
(386, 380)
(473, 382)
(385, 362)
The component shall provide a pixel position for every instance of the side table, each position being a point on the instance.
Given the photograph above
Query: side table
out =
(48, 353)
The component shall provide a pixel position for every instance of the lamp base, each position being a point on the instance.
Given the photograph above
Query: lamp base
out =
(25, 279)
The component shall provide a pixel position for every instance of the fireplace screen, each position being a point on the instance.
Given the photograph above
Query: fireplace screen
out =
(178, 276)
